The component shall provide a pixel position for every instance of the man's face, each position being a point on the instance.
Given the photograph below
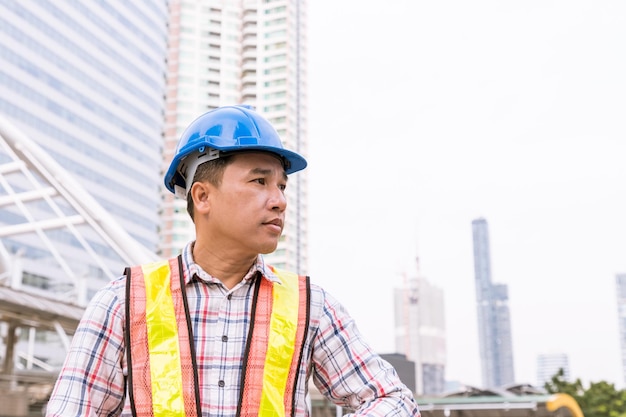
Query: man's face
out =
(247, 210)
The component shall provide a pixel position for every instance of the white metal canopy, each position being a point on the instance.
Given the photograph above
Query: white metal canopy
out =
(29, 180)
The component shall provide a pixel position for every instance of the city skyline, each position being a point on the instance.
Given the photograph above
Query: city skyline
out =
(530, 141)
(424, 116)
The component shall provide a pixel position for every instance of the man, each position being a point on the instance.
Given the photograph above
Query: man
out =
(217, 331)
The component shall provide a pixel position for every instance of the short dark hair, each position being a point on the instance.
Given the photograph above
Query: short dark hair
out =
(211, 172)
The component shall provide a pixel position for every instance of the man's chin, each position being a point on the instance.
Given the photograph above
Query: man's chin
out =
(268, 249)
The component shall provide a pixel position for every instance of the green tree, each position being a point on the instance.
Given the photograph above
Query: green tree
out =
(600, 399)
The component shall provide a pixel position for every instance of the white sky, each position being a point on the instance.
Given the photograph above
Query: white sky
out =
(424, 115)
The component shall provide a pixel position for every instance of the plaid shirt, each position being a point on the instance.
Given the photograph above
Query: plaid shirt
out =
(342, 366)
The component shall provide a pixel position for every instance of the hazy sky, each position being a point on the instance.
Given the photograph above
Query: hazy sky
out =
(426, 115)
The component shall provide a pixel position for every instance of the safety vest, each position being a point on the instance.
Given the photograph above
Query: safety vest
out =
(162, 371)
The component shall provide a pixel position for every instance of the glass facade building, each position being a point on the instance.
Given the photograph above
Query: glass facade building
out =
(549, 364)
(85, 81)
(494, 321)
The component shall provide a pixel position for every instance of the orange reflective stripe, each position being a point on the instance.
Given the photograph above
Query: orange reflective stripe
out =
(275, 347)
(254, 360)
(139, 391)
(161, 371)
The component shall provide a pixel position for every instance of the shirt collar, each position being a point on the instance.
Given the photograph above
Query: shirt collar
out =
(191, 269)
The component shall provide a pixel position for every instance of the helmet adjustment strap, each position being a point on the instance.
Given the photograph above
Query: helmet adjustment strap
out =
(190, 165)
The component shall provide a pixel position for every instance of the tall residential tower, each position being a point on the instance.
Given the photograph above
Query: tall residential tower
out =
(494, 322)
(239, 52)
(420, 332)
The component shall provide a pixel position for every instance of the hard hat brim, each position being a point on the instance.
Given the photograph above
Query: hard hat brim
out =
(292, 161)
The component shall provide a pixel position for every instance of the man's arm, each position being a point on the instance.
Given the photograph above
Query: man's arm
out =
(92, 382)
(350, 374)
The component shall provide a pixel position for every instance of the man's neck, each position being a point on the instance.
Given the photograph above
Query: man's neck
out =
(228, 269)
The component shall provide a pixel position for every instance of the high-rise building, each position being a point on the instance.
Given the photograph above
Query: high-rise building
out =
(620, 287)
(494, 322)
(85, 81)
(420, 332)
(549, 364)
(239, 52)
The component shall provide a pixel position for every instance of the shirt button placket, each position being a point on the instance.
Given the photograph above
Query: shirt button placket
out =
(221, 382)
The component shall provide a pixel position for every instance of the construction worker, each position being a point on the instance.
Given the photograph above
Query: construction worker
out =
(216, 331)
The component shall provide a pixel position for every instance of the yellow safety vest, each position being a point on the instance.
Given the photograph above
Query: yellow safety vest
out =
(162, 370)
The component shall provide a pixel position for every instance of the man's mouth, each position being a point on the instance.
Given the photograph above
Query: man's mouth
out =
(275, 222)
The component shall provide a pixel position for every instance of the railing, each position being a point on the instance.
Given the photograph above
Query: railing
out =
(25, 393)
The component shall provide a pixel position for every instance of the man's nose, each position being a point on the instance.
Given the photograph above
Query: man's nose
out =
(278, 200)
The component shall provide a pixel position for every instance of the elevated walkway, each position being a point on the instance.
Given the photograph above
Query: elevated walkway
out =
(47, 222)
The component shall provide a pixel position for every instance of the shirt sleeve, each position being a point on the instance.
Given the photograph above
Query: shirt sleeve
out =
(350, 374)
(91, 381)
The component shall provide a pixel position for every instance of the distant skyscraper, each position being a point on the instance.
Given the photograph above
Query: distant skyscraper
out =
(548, 364)
(420, 332)
(85, 81)
(494, 322)
(231, 52)
(620, 284)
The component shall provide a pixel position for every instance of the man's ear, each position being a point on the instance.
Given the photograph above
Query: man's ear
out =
(201, 193)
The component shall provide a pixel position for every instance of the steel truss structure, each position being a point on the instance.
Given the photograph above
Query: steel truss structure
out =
(38, 200)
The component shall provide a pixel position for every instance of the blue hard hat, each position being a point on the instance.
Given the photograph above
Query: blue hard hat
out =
(227, 129)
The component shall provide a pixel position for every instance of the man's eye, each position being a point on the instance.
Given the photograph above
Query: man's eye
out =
(260, 181)
(283, 187)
